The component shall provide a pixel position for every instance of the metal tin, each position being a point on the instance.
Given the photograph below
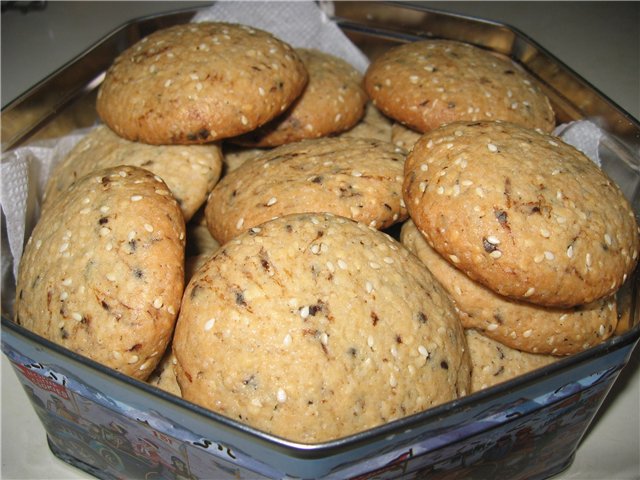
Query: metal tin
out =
(113, 426)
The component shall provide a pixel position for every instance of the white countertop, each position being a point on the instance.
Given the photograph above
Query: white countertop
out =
(599, 40)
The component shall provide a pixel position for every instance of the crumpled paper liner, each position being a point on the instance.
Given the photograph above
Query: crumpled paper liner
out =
(24, 171)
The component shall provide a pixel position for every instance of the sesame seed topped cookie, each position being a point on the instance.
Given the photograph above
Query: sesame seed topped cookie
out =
(314, 327)
(352, 177)
(332, 102)
(102, 273)
(514, 323)
(427, 83)
(521, 212)
(493, 362)
(199, 82)
(190, 171)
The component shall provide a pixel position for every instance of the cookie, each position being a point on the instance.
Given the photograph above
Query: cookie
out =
(102, 273)
(521, 212)
(164, 376)
(313, 327)
(235, 155)
(493, 363)
(199, 82)
(333, 101)
(404, 137)
(517, 324)
(427, 83)
(190, 171)
(355, 178)
(372, 125)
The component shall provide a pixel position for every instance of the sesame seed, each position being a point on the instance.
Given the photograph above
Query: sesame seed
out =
(133, 359)
(261, 91)
(527, 333)
(240, 223)
(171, 310)
(111, 277)
(63, 247)
(440, 190)
(271, 201)
(370, 341)
(495, 254)
(368, 286)
(492, 326)
(84, 211)
(157, 302)
(104, 231)
(570, 251)
(549, 255)
(374, 265)
(148, 227)
(423, 351)
(67, 282)
(337, 117)
(388, 260)
(194, 76)
(424, 167)
(342, 264)
(492, 147)
(209, 324)
(561, 219)
(304, 311)
(324, 338)
(244, 120)
(356, 173)
(168, 83)
(588, 259)
(392, 381)
(330, 267)
(76, 316)
(454, 258)
(493, 240)
(287, 340)
(430, 144)
(529, 292)
(315, 248)
(607, 239)
(198, 86)
(545, 233)
(281, 395)
(479, 192)
(136, 198)
(117, 355)
(38, 244)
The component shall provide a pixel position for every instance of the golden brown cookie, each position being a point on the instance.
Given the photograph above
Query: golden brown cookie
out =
(313, 327)
(333, 101)
(164, 377)
(517, 324)
(521, 212)
(190, 171)
(355, 178)
(199, 82)
(372, 125)
(427, 83)
(404, 137)
(102, 273)
(493, 362)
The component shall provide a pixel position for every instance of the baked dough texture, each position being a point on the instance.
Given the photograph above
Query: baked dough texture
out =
(313, 327)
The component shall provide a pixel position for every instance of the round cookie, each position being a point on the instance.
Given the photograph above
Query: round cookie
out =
(355, 178)
(333, 101)
(427, 83)
(372, 125)
(404, 137)
(521, 212)
(517, 324)
(312, 327)
(190, 171)
(102, 273)
(199, 82)
(164, 377)
(493, 363)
